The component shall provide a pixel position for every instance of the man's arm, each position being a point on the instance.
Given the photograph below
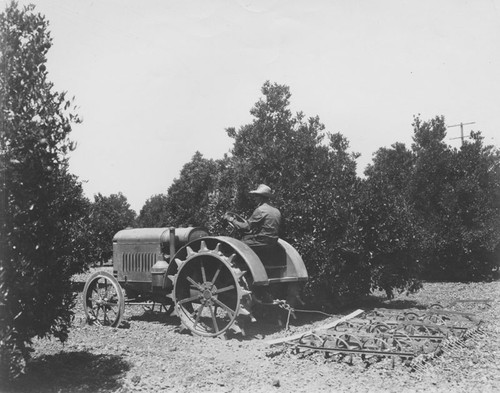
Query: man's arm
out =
(256, 220)
(244, 226)
(241, 225)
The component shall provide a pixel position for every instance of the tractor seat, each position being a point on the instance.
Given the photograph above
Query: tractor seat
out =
(272, 256)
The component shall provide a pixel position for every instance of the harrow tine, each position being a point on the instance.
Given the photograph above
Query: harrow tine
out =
(420, 343)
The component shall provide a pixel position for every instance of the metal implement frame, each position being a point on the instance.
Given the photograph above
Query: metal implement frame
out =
(415, 335)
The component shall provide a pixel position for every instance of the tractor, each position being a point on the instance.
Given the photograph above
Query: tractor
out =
(213, 283)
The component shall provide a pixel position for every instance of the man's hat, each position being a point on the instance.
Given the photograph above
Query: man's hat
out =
(263, 190)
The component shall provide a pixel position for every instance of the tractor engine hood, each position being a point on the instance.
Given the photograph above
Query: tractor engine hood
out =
(159, 236)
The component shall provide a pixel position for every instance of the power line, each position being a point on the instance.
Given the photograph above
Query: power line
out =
(461, 130)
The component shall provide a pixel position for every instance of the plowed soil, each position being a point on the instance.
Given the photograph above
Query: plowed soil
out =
(150, 353)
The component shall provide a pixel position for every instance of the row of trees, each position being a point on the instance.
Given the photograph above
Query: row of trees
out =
(426, 211)
(453, 196)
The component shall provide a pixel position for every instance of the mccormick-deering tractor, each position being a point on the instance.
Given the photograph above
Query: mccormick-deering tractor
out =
(212, 282)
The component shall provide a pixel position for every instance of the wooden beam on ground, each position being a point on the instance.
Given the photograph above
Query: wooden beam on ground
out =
(324, 327)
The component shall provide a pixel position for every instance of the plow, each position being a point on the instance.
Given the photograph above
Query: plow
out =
(412, 337)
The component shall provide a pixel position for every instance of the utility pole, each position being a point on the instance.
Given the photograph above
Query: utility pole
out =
(461, 129)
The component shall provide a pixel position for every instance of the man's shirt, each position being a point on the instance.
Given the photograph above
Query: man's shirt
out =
(265, 221)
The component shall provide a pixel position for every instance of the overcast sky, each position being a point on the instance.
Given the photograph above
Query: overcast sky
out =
(155, 81)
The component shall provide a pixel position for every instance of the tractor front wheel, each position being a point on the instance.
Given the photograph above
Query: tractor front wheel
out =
(103, 300)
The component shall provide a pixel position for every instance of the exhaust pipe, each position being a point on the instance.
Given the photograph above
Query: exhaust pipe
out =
(172, 243)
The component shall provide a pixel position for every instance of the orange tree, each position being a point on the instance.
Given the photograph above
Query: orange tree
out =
(186, 201)
(154, 212)
(316, 186)
(391, 231)
(108, 215)
(42, 226)
(477, 203)
(456, 193)
(187, 197)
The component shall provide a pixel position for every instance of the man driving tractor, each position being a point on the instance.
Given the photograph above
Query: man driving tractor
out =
(262, 228)
(262, 232)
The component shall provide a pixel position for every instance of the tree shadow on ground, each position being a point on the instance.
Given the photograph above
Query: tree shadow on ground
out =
(371, 302)
(155, 316)
(77, 286)
(273, 319)
(71, 372)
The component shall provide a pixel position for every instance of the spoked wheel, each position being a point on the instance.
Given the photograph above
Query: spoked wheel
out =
(210, 292)
(103, 300)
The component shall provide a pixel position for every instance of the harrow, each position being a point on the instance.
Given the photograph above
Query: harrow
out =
(414, 336)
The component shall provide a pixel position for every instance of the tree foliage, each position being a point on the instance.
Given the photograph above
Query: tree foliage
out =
(154, 212)
(392, 235)
(457, 196)
(187, 197)
(433, 210)
(315, 180)
(429, 210)
(108, 215)
(314, 176)
(43, 209)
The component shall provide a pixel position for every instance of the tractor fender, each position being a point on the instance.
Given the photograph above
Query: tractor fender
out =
(294, 262)
(251, 259)
(228, 246)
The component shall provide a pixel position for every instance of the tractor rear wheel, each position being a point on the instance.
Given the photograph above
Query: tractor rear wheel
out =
(103, 300)
(210, 292)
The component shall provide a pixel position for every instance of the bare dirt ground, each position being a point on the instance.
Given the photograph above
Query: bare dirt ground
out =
(149, 353)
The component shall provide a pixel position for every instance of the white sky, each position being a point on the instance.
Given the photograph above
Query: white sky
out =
(155, 81)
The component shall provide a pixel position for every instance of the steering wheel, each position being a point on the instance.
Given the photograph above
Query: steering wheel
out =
(236, 217)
